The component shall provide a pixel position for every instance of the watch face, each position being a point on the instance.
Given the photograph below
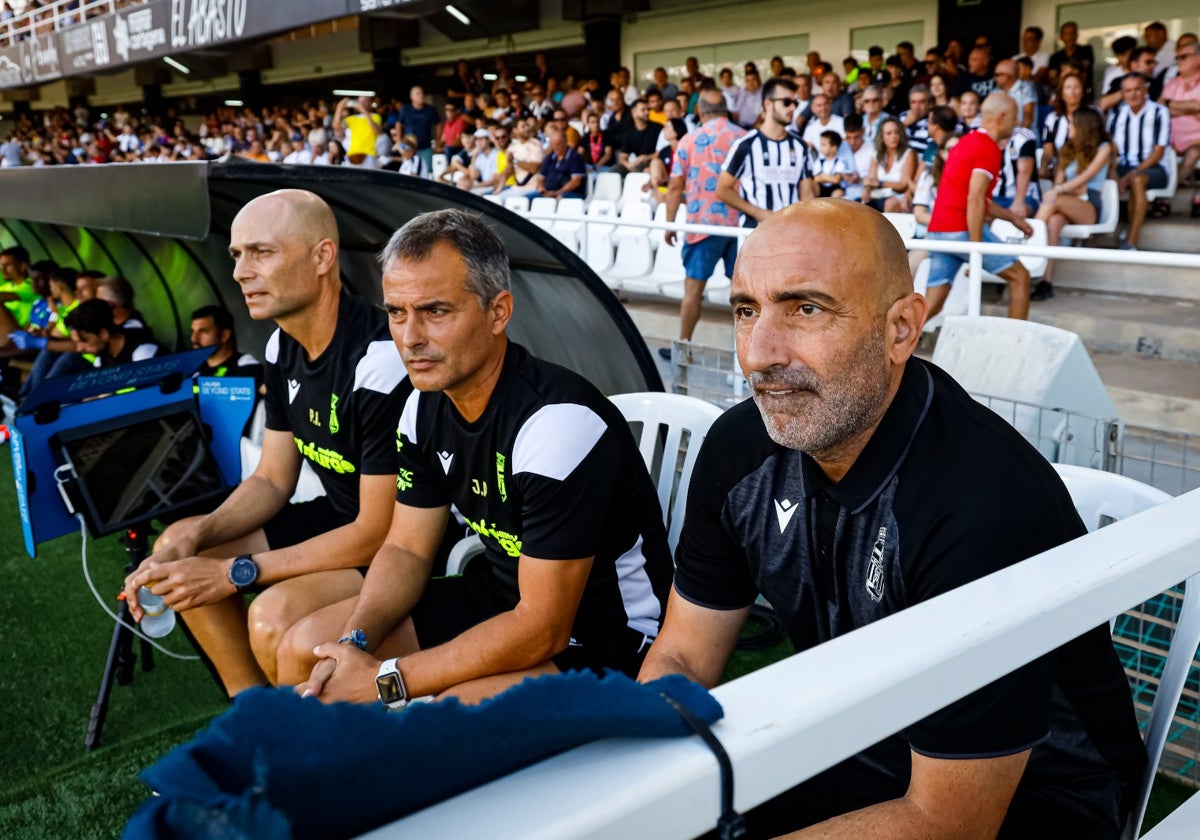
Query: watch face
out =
(243, 572)
(389, 689)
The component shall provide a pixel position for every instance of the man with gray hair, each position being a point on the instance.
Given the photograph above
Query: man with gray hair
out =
(575, 567)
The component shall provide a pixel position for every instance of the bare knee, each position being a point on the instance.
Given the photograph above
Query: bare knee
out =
(294, 655)
(268, 622)
(1018, 277)
(172, 532)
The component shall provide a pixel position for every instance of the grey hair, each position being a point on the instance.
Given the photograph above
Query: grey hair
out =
(475, 241)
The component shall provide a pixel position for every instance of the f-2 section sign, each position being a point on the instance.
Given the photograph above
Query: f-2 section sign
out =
(158, 28)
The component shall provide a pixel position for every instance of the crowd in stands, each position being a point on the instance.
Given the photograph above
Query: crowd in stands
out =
(873, 131)
(21, 19)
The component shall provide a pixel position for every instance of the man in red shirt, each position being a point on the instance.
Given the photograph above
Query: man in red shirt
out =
(964, 204)
(452, 130)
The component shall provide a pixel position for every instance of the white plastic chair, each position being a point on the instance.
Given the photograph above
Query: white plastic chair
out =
(904, 223)
(568, 226)
(631, 190)
(1110, 211)
(607, 187)
(680, 415)
(516, 203)
(598, 250)
(492, 197)
(543, 205)
(439, 166)
(1009, 233)
(1171, 162)
(1102, 498)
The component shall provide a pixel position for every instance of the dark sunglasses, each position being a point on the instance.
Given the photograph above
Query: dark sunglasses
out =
(786, 102)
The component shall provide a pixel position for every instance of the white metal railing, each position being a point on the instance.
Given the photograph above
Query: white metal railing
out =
(975, 250)
(792, 720)
(55, 17)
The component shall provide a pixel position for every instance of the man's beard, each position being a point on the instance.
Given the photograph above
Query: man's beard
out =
(823, 414)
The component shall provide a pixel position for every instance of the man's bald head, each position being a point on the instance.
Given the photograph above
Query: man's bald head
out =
(825, 325)
(998, 116)
(305, 214)
(853, 233)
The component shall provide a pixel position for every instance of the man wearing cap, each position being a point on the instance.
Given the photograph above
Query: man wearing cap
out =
(299, 154)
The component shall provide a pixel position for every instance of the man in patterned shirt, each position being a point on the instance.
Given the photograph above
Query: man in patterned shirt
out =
(695, 172)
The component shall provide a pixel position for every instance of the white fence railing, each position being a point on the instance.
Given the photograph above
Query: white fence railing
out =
(975, 250)
(792, 720)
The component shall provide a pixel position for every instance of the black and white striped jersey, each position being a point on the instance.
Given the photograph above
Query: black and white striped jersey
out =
(1022, 144)
(918, 133)
(1054, 130)
(550, 471)
(1136, 135)
(770, 171)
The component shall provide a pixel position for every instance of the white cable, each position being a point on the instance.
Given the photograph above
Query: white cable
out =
(100, 600)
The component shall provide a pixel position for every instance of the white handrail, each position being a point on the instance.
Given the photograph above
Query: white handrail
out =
(975, 250)
(791, 720)
(29, 22)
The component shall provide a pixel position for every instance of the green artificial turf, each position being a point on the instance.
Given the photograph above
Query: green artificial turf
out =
(55, 642)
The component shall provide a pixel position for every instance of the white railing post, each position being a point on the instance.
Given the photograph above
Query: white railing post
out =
(975, 284)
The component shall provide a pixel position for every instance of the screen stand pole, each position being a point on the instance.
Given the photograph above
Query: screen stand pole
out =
(119, 664)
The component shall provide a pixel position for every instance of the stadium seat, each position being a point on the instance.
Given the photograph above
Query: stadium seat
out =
(439, 165)
(598, 250)
(543, 206)
(568, 226)
(672, 428)
(516, 203)
(904, 223)
(632, 191)
(1110, 211)
(607, 188)
(1170, 162)
(1009, 233)
(495, 199)
(1104, 497)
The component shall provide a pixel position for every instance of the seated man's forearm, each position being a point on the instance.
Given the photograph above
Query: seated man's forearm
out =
(392, 588)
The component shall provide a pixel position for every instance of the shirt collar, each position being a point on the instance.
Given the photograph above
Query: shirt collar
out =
(885, 452)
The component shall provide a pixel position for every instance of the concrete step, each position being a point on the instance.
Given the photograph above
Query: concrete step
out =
(1123, 325)
(1157, 393)
(1125, 279)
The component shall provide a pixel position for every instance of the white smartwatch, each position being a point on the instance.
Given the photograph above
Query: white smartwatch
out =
(390, 685)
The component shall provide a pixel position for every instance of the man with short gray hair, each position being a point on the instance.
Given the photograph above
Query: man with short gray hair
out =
(575, 566)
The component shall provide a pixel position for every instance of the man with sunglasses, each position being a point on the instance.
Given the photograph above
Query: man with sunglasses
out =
(768, 169)
(1144, 62)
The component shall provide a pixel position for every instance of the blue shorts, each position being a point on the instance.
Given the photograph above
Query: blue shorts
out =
(943, 267)
(1156, 175)
(700, 258)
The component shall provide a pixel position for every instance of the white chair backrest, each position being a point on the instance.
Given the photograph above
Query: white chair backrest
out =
(1170, 162)
(602, 206)
(608, 187)
(439, 165)
(1110, 206)
(1009, 233)
(543, 206)
(516, 203)
(1102, 498)
(571, 207)
(904, 223)
(678, 416)
(495, 199)
(632, 190)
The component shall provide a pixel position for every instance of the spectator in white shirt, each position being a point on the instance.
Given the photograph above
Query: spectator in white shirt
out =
(1140, 130)
(1031, 48)
(732, 92)
(823, 120)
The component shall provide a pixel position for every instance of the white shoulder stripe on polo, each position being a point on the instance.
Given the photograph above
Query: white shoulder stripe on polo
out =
(247, 359)
(555, 440)
(380, 369)
(408, 418)
(271, 354)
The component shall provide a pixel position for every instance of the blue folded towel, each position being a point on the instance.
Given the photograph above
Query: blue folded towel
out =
(280, 766)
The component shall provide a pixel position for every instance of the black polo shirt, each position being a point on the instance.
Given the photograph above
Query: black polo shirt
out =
(944, 493)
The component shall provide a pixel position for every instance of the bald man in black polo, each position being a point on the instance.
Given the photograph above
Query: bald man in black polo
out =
(860, 481)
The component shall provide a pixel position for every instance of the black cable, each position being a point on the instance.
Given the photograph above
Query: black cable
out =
(730, 825)
(770, 635)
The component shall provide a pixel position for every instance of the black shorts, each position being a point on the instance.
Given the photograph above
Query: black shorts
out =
(1156, 175)
(453, 605)
(302, 521)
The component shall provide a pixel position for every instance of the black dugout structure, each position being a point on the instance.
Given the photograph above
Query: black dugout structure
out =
(165, 228)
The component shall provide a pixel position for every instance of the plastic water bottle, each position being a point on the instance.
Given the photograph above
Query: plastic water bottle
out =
(159, 619)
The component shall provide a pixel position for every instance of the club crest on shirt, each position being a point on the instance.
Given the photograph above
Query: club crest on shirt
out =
(875, 569)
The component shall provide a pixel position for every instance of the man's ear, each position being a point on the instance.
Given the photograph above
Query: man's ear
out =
(905, 318)
(500, 310)
(325, 256)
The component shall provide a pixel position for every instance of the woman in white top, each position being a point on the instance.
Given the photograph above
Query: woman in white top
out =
(890, 181)
(1078, 184)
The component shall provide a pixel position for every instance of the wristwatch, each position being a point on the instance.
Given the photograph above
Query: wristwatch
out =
(243, 573)
(390, 685)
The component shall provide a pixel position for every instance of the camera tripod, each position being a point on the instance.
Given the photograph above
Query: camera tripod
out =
(119, 665)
